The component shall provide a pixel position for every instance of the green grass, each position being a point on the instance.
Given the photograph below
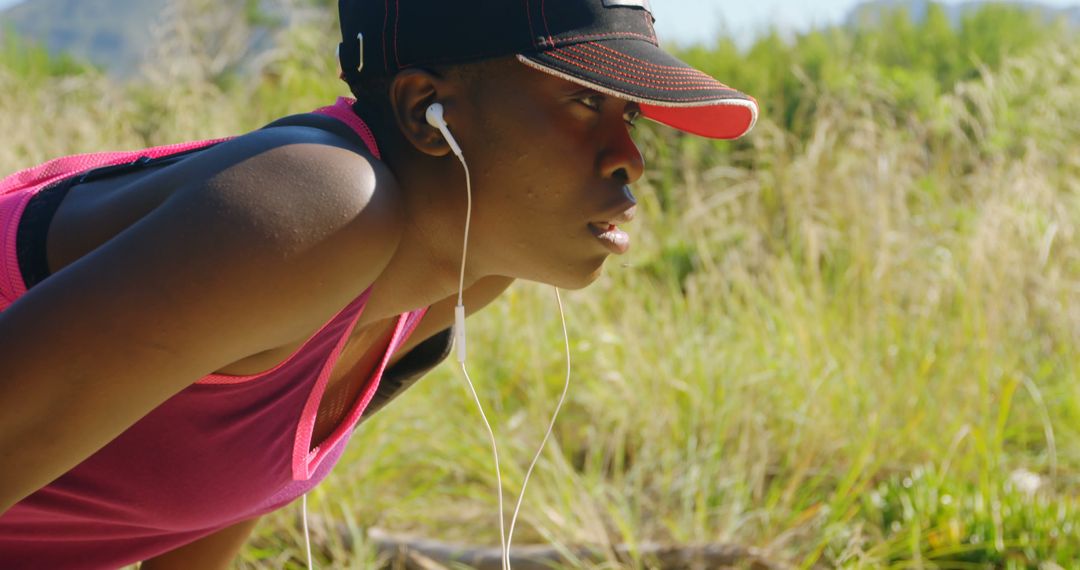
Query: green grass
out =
(848, 340)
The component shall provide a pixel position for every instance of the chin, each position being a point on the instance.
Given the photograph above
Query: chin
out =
(579, 280)
(570, 277)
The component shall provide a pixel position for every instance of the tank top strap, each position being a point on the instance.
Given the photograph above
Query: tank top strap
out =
(342, 110)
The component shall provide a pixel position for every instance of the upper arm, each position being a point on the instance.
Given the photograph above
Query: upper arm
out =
(212, 552)
(256, 253)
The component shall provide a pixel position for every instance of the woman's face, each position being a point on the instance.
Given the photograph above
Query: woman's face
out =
(551, 164)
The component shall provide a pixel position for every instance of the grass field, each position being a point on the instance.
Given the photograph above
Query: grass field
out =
(847, 340)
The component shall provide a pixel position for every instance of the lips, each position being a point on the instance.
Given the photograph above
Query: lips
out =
(625, 216)
(607, 231)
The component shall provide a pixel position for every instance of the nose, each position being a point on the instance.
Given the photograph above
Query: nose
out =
(623, 158)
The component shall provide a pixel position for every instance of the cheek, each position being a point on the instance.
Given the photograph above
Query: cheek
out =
(532, 170)
(526, 182)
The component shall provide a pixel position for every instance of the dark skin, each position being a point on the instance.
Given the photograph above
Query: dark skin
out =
(256, 221)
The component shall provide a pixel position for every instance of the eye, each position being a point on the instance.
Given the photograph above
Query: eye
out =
(595, 101)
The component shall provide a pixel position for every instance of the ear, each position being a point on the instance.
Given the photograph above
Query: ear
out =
(411, 93)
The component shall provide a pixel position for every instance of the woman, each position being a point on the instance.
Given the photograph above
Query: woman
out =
(188, 339)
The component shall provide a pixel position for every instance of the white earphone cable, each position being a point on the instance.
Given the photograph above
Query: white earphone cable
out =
(498, 471)
(468, 223)
(459, 325)
(307, 535)
(551, 426)
(435, 118)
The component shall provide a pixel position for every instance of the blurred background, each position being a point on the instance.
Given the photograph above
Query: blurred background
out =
(848, 339)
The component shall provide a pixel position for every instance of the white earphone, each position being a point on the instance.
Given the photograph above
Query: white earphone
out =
(435, 118)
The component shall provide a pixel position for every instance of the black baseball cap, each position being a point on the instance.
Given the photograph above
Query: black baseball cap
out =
(606, 45)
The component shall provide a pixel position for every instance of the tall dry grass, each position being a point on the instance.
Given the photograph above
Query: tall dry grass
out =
(849, 346)
(811, 339)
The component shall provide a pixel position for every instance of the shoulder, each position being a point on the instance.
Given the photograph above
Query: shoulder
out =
(310, 158)
(297, 183)
(295, 218)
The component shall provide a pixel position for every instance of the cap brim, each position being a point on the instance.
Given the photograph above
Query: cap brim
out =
(668, 90)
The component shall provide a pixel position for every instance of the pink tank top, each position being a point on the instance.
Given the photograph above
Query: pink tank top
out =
(224, 450)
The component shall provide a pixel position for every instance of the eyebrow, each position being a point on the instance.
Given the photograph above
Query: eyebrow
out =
(583, 90)
(632, 107)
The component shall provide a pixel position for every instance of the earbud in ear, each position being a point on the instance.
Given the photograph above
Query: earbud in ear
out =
(434, 117)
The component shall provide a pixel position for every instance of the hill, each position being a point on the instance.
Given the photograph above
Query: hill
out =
(108, 33)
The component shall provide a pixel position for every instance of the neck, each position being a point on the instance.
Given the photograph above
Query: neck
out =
(434, 198)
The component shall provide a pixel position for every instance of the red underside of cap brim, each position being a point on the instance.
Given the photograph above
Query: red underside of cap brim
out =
(668, 90)
(717, 121)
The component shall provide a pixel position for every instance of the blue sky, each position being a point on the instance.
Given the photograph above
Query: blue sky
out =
(698, 20)
(686, 21)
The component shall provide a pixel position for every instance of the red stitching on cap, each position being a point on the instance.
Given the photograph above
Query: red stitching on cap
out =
(691, 99)
(651, 83)
(648, 63)
(607, 36)
(682, 72)
(397, 20)
(660, 68)
(528, 12)
(639, 73)
(648, 23)
(543, 12)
